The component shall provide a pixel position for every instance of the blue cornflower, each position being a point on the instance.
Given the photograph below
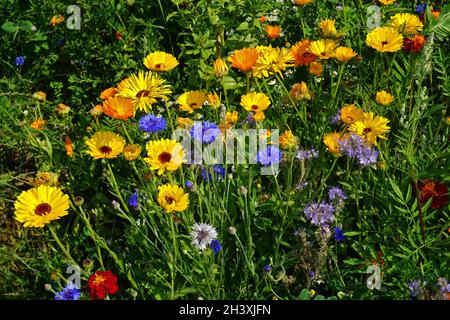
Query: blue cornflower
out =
(421, 8)
(336, 118)
(59, 42)
(151, 124)
(337, 194)
(204, 131)
(133, 200)
(250, 119)
(339, 234)
(270, 155)
(308, 154)
(19, 61)
(312, 274)
(267, 269)
(70, 292)
(190, 185)
(217, 169)
(215, 245)
(320, 214)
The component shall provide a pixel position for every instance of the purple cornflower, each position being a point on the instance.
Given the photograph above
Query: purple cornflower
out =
(443, 284)
(19, 61)
(414, 288)
(133, 200)
(70, 292)
(215, 245)
(312, 274)
(337, 194)
(320, 214)
(151, 124)
(339, 234)
(204, 131)
(308, 154)
(270, 155)
(250, 119)
(336, 118)
(355, 147)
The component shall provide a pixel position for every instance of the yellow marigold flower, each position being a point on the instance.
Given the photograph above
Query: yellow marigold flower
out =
(231, 117)
(300, 91)
(447, 120)
(386, 2)
(259, 116)
(213, 100)
(144, 89)
(273, 32)
(288, 140)
(45, 178)
(39, 206)
(272, 60)
(69, 146)
(384, 98)
(343, 54)
(56, 20)
(301, 2)
(331, 141)
(131, 152)
(301, 55)
(406, 23)
(316, 68)
(191, 100)
(96, 110)
(38, 124)
(351, 113)
(40, 95)
(62, 108)
(385, 39)
(118, 108)
(108, 93)
(220, 67)
(244, 59)
(164, 155)
(255, 101)
(371, 128)
(160, 61)
(172, 198)
(328, 28)
(323, 48)
(185, 123)
(105, 144)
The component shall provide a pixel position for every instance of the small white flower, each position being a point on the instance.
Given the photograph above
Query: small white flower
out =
(202, 234)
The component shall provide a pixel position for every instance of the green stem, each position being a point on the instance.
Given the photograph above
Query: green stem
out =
(341, 70)
(55, 236)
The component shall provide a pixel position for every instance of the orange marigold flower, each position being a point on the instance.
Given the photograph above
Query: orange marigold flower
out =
(273, 32)
(69, 146)
(102, 283)
(62, 108)
(56, 20)
(433, 189)
(119, 108)
(262, 19)
(244, 59)
(38, 124)
(108, 93)
(131, 152)
(316, 68)
(300, 53)
(96, 110)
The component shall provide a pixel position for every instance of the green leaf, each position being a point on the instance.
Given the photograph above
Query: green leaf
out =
(352, 233)
(26, 26)
(353, 262)
(10, 27)
(304, 295)
(243, 26)
(229, 83)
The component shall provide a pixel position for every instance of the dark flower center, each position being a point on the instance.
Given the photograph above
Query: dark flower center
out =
(255, 107)
(383, 43)
(169, 200)
(164, 157)
(142, 94)
(105, 150)
(43, 209)
(193, 105)
(367, 130)
(159, 65)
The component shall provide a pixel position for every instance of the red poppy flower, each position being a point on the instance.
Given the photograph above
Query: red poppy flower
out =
(102, 283)
(433, 189)
(414, 44)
